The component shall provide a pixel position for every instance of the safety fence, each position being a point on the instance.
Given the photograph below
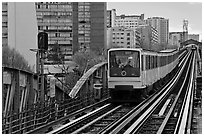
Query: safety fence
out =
(34, 114)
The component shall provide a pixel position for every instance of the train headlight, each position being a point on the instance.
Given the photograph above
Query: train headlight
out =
(123, 73)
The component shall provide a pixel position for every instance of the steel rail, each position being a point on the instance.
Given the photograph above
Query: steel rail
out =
(142, 108)
(119, 122)
(186, 105)
(161, 128)
(72, 124)
(44, 129)
(95, 120)
(135, 126)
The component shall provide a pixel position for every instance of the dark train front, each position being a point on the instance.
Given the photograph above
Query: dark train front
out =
(124, 75)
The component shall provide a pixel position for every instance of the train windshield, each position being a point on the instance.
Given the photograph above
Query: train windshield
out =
(124, 63)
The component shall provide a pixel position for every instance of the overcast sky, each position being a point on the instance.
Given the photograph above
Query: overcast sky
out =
(176, 12)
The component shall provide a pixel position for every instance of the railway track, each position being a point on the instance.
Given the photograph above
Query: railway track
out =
(150, 110)
(167, 116)
(100, 124)
(95, 121)
(162, 112)
(68, 118)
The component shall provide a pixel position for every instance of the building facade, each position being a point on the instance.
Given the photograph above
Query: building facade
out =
(123, 37)
(149, 37)
(111, 15)
(56, 20)
(19, 28)
(4, 23)
(193, 36)
(175, 38)
(132, 21)
(72, 27)
(162, 26)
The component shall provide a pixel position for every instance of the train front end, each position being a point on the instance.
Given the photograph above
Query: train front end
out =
(124, 74)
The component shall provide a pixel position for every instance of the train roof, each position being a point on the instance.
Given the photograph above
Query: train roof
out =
(168, 50)
(113, 49)
(140, 49)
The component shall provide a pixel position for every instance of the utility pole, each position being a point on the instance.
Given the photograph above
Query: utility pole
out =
(42, 47)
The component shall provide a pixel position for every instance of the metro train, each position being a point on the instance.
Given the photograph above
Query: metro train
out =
(133, 72)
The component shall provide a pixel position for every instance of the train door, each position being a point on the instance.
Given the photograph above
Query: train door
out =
(143, 75)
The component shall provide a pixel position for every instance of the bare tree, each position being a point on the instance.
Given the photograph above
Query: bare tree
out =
(12, 58)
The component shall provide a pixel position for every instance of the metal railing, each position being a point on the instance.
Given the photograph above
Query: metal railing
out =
(21, 110)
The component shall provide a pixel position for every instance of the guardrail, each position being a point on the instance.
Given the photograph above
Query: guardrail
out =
(21, 110)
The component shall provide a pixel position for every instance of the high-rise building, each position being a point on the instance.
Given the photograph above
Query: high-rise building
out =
(149, 37)
(162, 26)
(72, 27)
(111, 15)
(193, 36)
(89, 26)
(175, 38)
(123, 37)
(19, 28)
(130, 21)
(4, 23)
(56, 19)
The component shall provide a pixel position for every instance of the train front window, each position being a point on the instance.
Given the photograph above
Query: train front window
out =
(124, 63)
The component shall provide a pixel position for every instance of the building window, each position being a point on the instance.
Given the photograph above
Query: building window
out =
(128, 43)
(57, 34)
(128, 38)
(38, 6)
(128, 34)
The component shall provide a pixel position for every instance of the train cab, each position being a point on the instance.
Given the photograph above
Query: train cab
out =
(124, 73)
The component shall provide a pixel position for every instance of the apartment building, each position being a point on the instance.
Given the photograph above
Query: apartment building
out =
(111, 15)
(193, 36)
(162, 26)
(149, 37)
(72, 27)
(130, 21)
(123, 37)
(175, 38)
(4, 23)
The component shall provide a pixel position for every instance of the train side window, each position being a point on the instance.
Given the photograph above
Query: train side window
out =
(153, 62)
(156, 62)
(147, 62)
(142, 61)
(161, 62)
(164, 60)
